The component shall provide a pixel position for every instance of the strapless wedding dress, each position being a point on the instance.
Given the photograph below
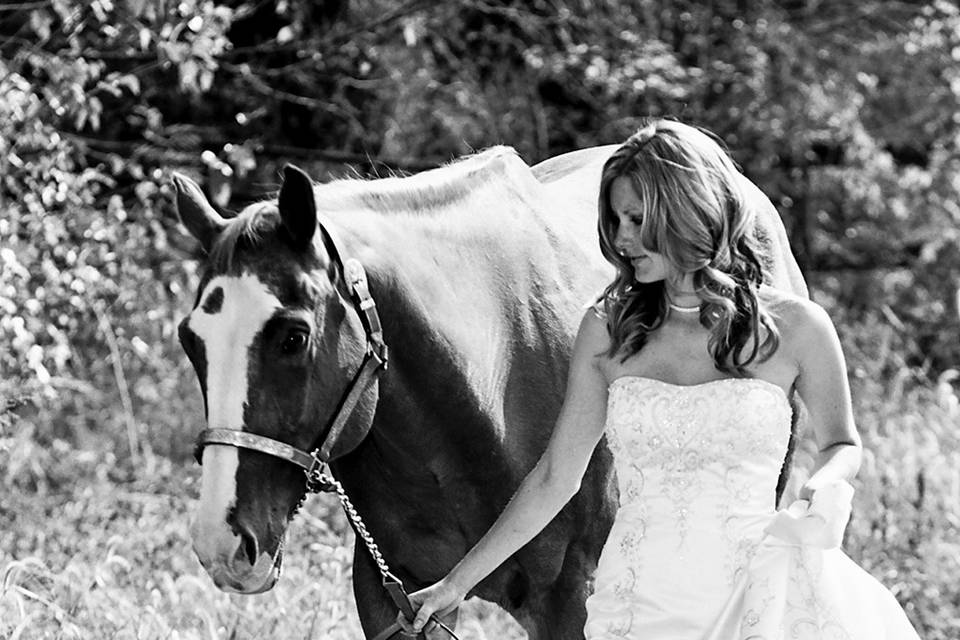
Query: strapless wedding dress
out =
(697, 551)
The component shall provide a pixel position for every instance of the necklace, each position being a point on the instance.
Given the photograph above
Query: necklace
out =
(679, 309)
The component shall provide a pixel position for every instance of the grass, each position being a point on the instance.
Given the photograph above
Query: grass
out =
(906, 526)
(108, 556)
(111, 558)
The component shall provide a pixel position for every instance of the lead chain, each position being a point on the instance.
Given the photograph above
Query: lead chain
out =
(319, 481)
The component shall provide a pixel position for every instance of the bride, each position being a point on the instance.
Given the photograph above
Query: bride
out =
(688, 364)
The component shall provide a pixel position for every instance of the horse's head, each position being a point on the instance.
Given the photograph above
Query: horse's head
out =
(274, 340)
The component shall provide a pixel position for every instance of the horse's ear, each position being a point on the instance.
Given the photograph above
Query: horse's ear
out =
(298, 209)
(195, 211)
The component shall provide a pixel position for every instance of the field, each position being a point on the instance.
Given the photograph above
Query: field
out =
(107, 555)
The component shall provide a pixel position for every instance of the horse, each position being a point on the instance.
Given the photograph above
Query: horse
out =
(480, 270)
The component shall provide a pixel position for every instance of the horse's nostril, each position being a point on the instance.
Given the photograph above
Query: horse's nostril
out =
(249, 547)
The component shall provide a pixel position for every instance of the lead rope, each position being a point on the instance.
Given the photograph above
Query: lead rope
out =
(320, 482)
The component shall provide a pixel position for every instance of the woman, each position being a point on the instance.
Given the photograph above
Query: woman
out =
(688, 364)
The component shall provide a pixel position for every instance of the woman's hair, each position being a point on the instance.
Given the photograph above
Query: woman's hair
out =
(693, 213)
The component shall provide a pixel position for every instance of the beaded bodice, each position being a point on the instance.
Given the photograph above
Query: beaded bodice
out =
(690, 460)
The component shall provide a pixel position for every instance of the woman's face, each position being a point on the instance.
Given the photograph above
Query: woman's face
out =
(648, 266)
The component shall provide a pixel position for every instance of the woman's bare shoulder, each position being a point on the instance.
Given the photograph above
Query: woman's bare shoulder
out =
(799, 320)
(593, 340)
(593, 327)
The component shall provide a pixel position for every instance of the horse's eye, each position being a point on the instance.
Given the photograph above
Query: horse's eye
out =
(294, 343)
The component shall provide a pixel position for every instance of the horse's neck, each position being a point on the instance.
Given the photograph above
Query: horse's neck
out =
(456, 331)
(437, 305)
(479, 296)
(479, 304)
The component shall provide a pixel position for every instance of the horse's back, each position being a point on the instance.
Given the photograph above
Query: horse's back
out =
(574, 179)
(587, 161)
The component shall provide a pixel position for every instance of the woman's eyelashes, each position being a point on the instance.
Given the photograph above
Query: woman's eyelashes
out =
(634, 219)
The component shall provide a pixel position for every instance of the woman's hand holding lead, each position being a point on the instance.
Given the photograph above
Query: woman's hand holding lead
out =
(438, 599)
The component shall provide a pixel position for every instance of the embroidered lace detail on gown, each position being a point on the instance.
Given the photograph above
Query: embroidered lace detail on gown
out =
(697, 552)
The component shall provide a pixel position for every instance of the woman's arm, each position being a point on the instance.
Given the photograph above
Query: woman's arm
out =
(822, 384)
(549, 485)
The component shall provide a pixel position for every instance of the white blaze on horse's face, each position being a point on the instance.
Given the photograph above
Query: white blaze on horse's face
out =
(231, 313)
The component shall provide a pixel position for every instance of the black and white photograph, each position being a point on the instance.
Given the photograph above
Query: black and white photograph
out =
(479, 320)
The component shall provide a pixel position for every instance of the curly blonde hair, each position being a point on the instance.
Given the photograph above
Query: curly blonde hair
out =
(694, 215)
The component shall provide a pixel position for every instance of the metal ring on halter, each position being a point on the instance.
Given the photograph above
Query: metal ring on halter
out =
(319, 477)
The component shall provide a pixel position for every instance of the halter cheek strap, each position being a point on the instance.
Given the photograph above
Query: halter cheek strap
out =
(374, 361)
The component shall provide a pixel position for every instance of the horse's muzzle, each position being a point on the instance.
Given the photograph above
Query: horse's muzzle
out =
(233, 569)
(237, 576)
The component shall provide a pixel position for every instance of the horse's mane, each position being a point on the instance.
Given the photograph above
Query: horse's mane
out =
(418, 193)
